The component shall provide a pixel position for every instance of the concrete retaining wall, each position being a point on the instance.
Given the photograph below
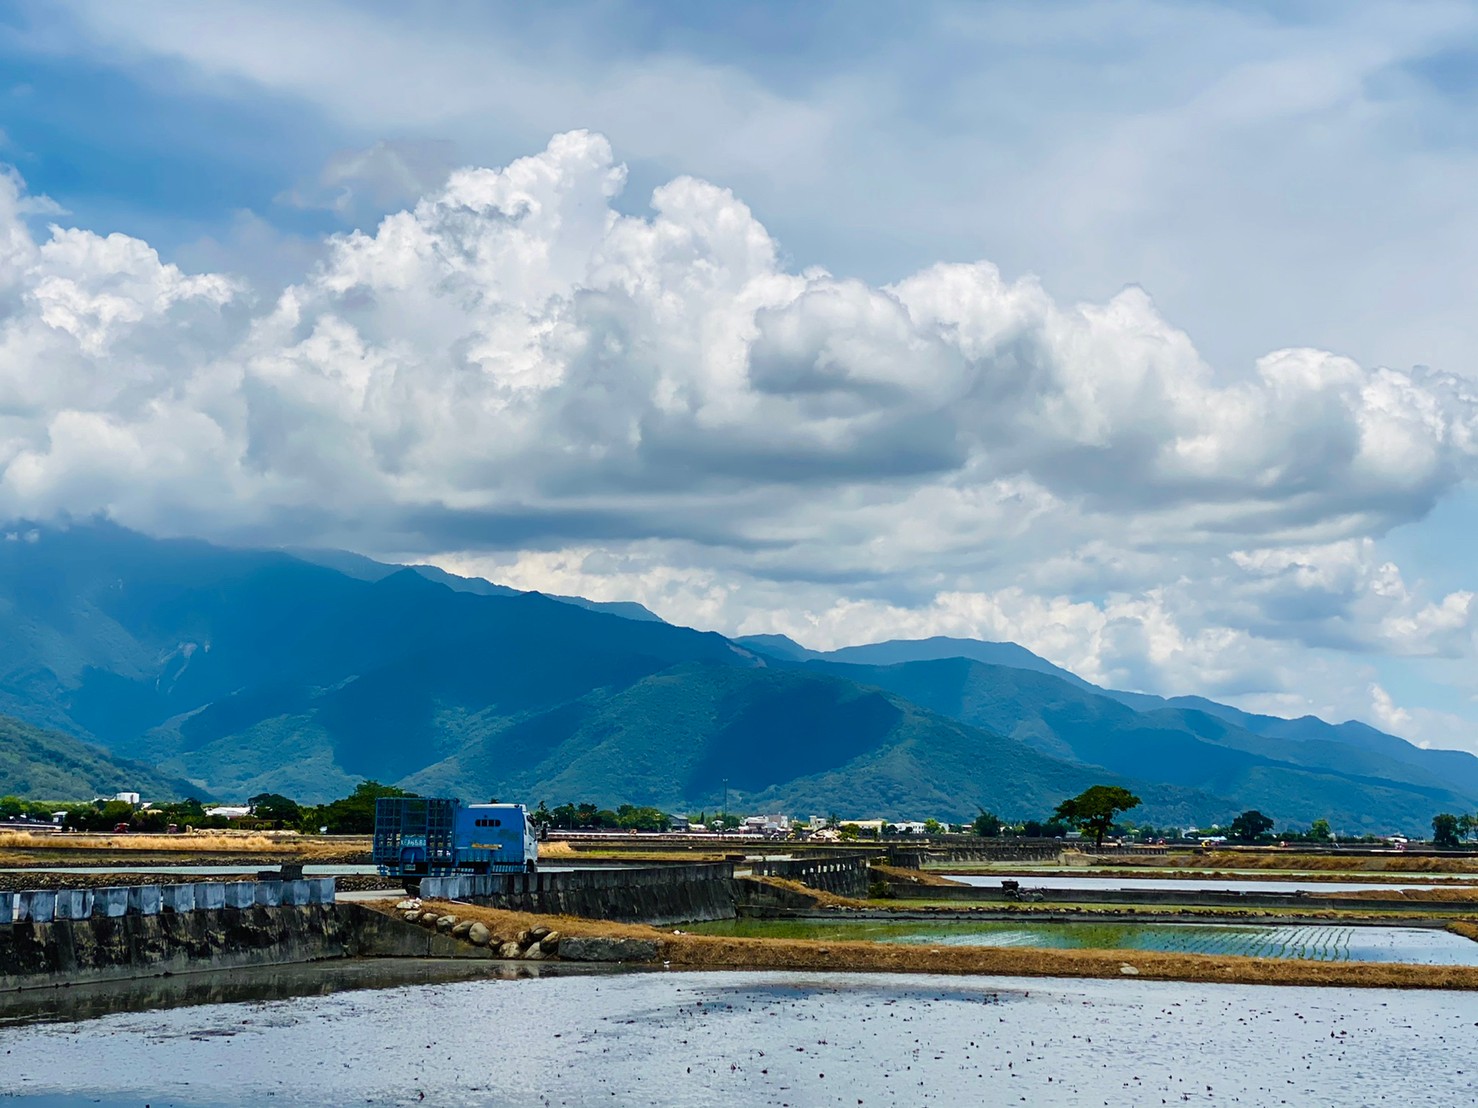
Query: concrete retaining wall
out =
(844, 875)
(46, 905)
(656, 894)
(110, 948)
(97, 948)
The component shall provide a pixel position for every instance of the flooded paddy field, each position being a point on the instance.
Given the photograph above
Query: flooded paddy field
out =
(1316, 942)
(710, 1039)
(1201, 884)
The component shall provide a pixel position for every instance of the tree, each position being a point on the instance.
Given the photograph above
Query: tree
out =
(1319, 832)
(1250, 826)
(987, 825)
(355, 813)
(932, 827)
(1467, 826)
(1093, 810)
(274, 808)
(1444, 831)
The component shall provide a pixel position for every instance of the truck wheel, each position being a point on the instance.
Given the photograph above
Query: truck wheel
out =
(531, 867)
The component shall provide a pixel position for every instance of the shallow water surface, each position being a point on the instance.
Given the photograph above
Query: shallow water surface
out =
(705, 1040)
(1199, 884)
(1318, 942)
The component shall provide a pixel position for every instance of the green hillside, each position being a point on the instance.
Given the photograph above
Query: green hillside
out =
(36, 764)
(783, 741)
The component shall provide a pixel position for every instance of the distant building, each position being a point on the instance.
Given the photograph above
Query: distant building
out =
(127, 798)
(229, 811)
(767, 825)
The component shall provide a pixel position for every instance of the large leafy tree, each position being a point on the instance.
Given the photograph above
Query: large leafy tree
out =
(275, 808)
(1444, 831)
(1251, 825)
(987, 824)
(1093, 810)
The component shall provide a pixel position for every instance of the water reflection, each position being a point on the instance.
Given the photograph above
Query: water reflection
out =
(236, 986)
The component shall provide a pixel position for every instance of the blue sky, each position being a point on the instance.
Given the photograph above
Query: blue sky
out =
(1101, 487)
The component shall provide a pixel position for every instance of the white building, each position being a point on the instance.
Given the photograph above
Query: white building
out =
(767, 825)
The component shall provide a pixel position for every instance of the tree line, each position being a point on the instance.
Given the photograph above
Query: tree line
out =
(1093, 812)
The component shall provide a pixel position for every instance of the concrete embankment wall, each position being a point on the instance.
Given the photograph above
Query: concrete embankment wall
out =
(656, 894)
(102, 948)
(844, 875)
(45, 905)
(111, 948)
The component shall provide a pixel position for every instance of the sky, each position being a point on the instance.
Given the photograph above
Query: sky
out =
(1137, 333)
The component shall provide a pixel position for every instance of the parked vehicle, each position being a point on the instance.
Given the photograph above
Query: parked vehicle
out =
(419, 837)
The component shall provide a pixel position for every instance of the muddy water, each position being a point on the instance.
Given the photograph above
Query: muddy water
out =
(720, 1040)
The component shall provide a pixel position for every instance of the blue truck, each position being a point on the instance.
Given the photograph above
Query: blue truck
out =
(418, 837)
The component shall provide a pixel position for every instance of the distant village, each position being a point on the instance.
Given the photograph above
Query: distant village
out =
(127, 811)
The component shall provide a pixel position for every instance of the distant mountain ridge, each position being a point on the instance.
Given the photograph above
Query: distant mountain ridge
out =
(1457, 767)
(241, 671)
(367, 569)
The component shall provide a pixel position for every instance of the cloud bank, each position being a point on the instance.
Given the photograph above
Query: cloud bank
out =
(513, 375)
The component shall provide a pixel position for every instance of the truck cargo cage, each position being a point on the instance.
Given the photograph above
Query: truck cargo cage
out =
(414, 836)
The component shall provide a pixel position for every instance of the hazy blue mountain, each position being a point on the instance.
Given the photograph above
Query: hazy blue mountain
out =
(109, 634)
(367, 569)
(240, 671)
(924, 650)
(1455, 768)
(778, 646)
(1358, 789)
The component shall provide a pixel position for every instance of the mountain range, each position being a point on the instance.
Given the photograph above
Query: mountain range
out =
(229, 672)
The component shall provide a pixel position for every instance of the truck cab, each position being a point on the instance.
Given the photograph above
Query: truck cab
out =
(496, 838)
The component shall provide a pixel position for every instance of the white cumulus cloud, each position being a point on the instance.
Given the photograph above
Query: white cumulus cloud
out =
(512, 372)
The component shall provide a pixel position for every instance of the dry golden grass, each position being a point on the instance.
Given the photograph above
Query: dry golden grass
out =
(17, 839)
(912, 876)
(1467, 928)
(1415, 896)
(21, 843)
(721, 952)
(817, 897)
(556, 850)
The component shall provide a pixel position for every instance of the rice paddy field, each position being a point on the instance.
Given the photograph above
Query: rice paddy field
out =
(1314, 942)
(721, 1039)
